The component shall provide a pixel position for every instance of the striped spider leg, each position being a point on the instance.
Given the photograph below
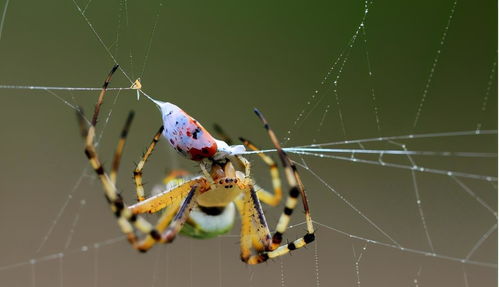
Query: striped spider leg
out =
(296, 189)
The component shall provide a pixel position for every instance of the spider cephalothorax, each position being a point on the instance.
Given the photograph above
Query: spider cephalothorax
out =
(202, 205)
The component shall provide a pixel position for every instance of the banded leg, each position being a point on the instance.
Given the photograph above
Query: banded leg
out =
(167, 215)
(169, 200)
(255, 232)
(181, 212)
(163, 222)
(119, 148)
(296, 189)
(167, 197)
(126, 219)
(265, 196)
(137, 173)
(121, 143)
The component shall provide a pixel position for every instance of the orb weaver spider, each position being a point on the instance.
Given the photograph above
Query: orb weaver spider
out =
(204, 205)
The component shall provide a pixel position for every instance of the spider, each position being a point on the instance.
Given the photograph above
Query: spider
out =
(204, 205)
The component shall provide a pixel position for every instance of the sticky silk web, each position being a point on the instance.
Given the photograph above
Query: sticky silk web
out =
(378, 202)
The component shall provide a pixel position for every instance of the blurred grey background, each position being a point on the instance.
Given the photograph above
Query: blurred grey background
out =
(217, 60)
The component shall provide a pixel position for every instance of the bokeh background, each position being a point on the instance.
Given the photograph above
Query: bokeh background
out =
(218, 60)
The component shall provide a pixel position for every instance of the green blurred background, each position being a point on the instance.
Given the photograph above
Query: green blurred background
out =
(217, 60)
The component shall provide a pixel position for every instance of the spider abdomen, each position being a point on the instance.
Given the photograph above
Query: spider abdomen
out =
(204, 225)
(185, 134)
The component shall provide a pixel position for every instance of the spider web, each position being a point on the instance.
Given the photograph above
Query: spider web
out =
(388, 109)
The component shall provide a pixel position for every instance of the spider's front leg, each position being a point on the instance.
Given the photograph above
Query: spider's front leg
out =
(168, 197)
(255, 232)
(175, 211)
(159, 234)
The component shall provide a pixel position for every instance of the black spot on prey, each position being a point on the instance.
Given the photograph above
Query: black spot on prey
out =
(195, 133)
